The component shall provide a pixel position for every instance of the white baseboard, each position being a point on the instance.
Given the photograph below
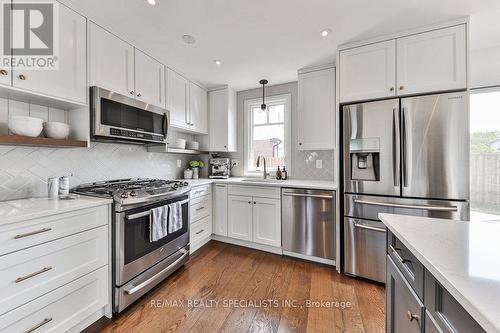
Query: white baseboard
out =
(88, 321)
(252, 245)
(310, 258)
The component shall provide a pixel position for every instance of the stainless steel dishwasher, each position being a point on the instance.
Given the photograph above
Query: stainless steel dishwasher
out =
(308, 224)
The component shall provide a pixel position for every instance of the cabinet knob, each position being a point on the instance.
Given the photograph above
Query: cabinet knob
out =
(401, 87)
(3, 72)
(225, 146)
(254, 203)
(411, 316)
(139, 95)
(300, 143)
(249, 202)
(131, 92)
(391, 89)
(22, 77)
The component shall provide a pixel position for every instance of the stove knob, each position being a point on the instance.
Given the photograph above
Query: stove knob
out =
(175, 186)
(181, 184)
(186, 183)
(124, 195)
(133, 194)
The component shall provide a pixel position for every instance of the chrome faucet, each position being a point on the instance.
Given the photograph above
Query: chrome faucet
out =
(257, 164)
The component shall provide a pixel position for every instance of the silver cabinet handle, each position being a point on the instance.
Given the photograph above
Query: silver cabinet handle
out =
(394, 205)
(220, 185)
(37, 326)
(32, 233)
(199, 232)
(200, 208)
(322, 196)
(133, 289)
(367, 227)
(398, 256)
(26, 277)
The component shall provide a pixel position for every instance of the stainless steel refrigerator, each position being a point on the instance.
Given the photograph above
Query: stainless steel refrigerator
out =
(403, 156)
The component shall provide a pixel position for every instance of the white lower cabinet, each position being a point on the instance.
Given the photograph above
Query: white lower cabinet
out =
(252, 218)
(267, 221)
(240, 217)
(200, 217)
(220, 209)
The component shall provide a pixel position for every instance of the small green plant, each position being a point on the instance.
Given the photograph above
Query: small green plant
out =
(196, 164)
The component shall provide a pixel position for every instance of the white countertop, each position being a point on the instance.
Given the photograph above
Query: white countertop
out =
(295, 183)
(463, 256)
(24, 209)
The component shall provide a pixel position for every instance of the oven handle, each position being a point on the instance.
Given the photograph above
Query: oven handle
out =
(148, 212)
(133, 289)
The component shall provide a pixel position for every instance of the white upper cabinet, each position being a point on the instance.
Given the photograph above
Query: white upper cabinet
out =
(267, 221)
(222, 120)
(432, 61)
(111, 62)
(198, 111)
(316, 110)
(368, 72)
(69, 80)
(177, 99)
(149, 80)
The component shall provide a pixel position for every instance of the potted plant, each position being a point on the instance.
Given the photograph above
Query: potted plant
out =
(195, 166)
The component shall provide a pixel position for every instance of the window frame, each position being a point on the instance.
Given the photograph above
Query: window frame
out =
(248, 130)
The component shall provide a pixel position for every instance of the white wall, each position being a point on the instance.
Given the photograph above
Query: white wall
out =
(300, 168)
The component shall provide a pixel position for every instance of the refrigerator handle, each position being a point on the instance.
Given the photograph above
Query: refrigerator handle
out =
(404, 166)
(395, 146)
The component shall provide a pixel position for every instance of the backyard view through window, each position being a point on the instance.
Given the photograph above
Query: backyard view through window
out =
(485, 153)
(267, 133)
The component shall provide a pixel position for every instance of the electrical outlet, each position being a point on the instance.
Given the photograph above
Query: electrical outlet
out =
(319, 164)
(235, 162)
(179, 163)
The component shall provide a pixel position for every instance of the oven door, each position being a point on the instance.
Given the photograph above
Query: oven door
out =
(134, 253)
(124, 118)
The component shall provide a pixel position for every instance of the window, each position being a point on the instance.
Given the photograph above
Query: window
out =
(267, 133)
(485, 153)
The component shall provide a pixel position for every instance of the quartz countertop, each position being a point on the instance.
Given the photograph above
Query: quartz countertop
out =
(294, 183)
(463, 256)
(24, 209)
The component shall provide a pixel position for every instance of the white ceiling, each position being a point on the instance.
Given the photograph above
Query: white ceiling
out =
(271, 39)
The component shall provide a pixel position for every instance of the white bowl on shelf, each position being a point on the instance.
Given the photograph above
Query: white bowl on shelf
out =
(25, 126)
(56, 130)
(193, 145)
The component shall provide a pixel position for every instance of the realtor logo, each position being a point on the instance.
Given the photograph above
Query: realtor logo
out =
(30, 35)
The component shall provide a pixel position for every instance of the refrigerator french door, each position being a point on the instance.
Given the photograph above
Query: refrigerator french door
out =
(404, 156)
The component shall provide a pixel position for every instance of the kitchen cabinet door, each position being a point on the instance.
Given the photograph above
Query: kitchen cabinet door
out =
(111, 62)
(368, 72)
(222, 123)
(220, 209)
(149, 80)
(267, 221)
(404, 311)
(432, 61)
(240, 217)
(69, 80)
(316, 110)
(198, 110)
(177, 99)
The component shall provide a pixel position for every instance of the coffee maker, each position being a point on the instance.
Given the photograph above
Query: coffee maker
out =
(220, 168)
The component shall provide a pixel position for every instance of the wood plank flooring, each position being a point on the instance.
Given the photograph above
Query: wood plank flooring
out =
(245, 290)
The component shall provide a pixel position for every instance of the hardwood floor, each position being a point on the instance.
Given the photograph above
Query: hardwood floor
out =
(246, 290)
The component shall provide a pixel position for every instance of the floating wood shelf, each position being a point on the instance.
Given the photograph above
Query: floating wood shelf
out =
(18, 140)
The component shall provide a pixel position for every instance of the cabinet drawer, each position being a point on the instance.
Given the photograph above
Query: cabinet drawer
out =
(61, 309)
(17, 236)
(447, 313)
(30, 273)
(407, 263)
(200, 191)
(255, 191)
(200, 208)
(200, 230)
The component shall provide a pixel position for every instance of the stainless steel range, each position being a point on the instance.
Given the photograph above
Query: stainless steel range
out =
(138, 263)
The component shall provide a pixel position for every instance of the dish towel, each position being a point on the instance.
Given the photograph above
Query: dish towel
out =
(158, 223)
(175, 217)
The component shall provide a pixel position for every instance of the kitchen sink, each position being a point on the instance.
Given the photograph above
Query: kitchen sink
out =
(262, 180)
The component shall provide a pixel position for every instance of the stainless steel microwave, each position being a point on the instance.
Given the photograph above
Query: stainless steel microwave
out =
(115, 117)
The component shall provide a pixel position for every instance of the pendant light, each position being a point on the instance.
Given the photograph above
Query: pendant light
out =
(263, 105)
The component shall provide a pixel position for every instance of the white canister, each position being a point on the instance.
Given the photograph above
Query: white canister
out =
(53, 187)
(64, 185)
(196, 173)
(188, 174)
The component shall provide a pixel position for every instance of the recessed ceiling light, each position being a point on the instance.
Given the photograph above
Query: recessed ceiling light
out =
(188, 39)
(218, 62)
(152, 2)
(325, 32)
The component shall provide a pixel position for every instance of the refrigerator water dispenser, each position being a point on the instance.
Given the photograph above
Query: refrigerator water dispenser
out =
(365, 159)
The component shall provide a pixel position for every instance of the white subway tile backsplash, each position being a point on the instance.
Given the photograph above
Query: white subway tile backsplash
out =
(18, 108)
(57, 115)
(39, 111)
